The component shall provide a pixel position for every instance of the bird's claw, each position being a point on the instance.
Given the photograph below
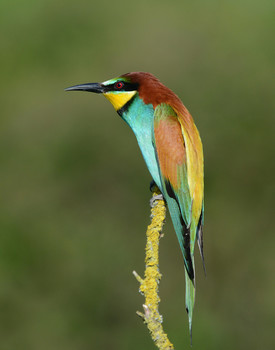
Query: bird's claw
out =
(158, 197)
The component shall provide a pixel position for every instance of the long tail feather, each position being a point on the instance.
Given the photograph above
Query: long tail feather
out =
(189, 299)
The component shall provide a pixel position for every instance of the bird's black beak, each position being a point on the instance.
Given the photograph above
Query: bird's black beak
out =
(91, 87)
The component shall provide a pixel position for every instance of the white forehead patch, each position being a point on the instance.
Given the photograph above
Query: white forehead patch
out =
(109, 82)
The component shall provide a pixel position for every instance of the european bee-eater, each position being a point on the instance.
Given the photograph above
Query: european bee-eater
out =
(171, 146)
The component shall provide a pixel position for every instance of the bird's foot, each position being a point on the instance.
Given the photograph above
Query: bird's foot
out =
(158, 197)
(154, 188)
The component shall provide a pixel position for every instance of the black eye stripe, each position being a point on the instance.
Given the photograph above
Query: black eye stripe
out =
(126, 86)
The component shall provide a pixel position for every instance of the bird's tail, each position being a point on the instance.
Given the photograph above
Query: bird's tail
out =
(190, 298)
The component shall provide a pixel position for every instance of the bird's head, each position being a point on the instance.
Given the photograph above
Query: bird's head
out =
(120, 91)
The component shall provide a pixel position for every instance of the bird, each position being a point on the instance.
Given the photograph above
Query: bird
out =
(172, 149)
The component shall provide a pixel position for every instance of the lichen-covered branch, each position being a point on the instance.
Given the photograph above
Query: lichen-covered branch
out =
(149, 285)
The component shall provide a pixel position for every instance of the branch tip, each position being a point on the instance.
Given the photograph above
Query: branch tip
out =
(138, 278)
(140, 314)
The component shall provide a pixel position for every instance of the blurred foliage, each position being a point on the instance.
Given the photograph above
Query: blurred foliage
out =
(75, 191)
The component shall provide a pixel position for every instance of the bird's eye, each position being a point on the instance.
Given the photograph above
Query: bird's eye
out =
(119, 85)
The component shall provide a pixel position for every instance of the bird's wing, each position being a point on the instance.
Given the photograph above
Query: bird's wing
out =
(172, 159)
(180, 159)
(179, 153)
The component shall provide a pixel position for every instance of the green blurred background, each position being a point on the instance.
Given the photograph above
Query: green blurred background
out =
(75, 190)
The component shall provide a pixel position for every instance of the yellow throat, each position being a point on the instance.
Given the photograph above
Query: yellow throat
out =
(119, 99)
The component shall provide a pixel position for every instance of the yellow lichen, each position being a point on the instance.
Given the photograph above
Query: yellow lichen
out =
(149, 285)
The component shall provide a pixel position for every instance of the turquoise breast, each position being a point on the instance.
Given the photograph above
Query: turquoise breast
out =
(140, 117)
